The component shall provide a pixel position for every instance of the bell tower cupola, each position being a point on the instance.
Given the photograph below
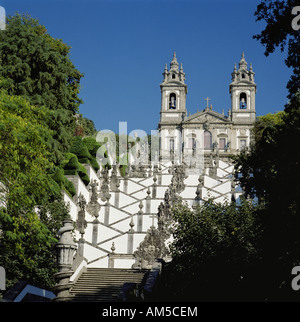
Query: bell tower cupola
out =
(173, 93)
(173, 108)
(243, 90)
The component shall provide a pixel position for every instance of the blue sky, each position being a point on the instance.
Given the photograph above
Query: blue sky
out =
(122, 46)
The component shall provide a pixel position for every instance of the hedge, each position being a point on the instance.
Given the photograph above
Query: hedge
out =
(63, 182)
(73, 167)
(86, 150)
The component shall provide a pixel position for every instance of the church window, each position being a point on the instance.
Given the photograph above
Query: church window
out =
(222, 143)
(242, 144)
(243, 101)
(207, 140)
(173, 76)
(172, 101)
(243, 75)
(171, 144)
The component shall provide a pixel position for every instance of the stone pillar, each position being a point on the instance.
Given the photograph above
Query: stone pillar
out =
(95, 232)
(113, 179)
(159, 175)
(125, 187)
(106, 211)
(196, 202)
(130, 237)
(154, 186)
(111, 259)
(81, 223)
(149, 170)
(117, 195)
(65, 252)
(140, 218)
(80, 250)
(148, 202)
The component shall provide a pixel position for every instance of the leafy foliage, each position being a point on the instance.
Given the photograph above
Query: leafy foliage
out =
(26, 239)
(279, 33)
(85, 150)
(92, 146)
(39, 88)
(268, 120)
(80, 150)
(63, 182)
(38, 68)
(212, 247)
(271, 172)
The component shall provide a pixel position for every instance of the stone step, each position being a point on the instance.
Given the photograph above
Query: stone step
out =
(115, 281)
(104, 284)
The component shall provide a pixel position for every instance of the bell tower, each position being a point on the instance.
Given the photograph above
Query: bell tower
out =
(173, 108)
(173, 93)
(243, 90)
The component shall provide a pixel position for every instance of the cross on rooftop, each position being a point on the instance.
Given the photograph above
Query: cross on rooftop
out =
(207, 99)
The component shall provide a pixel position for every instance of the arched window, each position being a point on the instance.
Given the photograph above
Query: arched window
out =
(173, 76)
(243, 101)
(172, 101)
(207, 140)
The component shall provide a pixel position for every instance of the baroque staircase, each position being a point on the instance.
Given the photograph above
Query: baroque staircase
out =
(105, 285)
(121, 224)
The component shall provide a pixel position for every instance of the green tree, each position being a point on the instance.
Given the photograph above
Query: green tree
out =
(211, 253)
(266, 121)
(38, 67)
(279, 33)
(31, 208)
(89, 127)
(270, 171)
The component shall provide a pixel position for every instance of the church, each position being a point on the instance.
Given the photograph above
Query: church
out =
(123, 223)
(195, 137)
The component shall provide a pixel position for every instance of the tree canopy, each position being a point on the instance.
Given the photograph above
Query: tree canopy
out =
(38, 67)
(211, 253)
(39, 124)
(29, 218)
(278, 32)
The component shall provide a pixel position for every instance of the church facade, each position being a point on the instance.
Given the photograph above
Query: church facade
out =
(196, 137)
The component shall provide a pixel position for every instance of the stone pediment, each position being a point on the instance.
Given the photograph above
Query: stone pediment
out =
(206, 116)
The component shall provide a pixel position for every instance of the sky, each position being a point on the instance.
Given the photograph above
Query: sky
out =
(122, 46)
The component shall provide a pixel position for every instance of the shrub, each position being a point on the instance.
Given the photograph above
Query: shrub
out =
(80, 150)
(61, 182)
(69, 187)
(92, 145)
(94, 164)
